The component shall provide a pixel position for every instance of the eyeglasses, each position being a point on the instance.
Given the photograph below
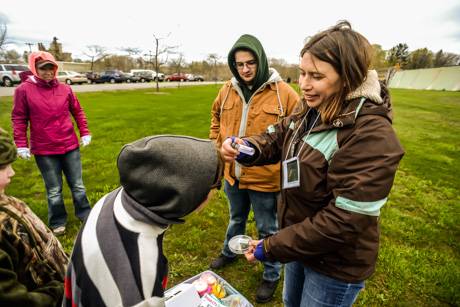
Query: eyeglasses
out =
(249, 64)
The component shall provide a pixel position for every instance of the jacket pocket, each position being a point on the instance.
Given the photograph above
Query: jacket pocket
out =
(258, 122)
(228, 105)
(271, 109)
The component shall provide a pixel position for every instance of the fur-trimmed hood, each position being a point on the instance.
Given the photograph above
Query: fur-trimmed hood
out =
(377, 102)
(370, 98)
(369, 89)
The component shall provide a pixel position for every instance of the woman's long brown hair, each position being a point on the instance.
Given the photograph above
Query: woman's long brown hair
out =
(349, 53)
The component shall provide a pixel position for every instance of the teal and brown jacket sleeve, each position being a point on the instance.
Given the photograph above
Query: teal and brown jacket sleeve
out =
(269, 144)
(359, 177)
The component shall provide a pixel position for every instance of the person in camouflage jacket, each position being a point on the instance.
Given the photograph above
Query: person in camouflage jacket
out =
(32, 261)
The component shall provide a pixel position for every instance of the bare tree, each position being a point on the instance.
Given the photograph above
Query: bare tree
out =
(131, 51)
(122, 62)
(442, 59)
(378, 57)
(420, 58)
(177, 64)
(149, 59)
(213, 59)
(398, 55)
(287, 71)
(3, 31)
(161, 54)
(11, 56)
(95, 53)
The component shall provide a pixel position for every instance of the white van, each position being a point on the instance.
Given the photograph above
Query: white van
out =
(147, 75)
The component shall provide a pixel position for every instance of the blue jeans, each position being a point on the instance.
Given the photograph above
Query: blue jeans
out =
(304, 287)
(264, 207)
(51, 167)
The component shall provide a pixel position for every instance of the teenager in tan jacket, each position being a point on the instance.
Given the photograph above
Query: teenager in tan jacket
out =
(255, 98)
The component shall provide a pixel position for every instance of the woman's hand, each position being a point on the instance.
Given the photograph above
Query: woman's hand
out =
(24, 153)
(252, 248)
(85, 140)
(227, 152)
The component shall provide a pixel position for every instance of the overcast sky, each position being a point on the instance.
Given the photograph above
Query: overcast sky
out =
(201, 27)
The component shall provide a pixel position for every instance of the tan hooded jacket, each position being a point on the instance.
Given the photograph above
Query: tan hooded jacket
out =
(232, 116)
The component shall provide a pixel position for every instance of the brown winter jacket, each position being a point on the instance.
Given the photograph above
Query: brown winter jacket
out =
(347, 168)
(231, 116)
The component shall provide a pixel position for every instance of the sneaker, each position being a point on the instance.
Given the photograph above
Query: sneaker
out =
(59, 231)
(221, 261)
(265, 291)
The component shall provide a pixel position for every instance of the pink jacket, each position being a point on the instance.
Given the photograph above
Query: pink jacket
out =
(47, 107)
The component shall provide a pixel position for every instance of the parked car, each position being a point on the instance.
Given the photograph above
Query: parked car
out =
(192, 77)
(112, 76)
(131, 77)
(144, 76)
(9, 73)
(176, 77)
(91, 76)
(147, 75)
(71, 77)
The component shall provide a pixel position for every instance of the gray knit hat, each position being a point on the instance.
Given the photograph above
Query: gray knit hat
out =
(167, 177)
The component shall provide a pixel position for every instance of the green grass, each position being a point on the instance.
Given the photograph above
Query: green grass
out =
(419, 256)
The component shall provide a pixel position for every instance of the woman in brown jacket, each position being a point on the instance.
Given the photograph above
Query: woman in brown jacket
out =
(339, 156)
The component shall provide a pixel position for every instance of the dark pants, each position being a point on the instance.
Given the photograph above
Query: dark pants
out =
(264, 207)
(51, 167)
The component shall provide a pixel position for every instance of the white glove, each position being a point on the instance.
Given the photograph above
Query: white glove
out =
(85, 140)
(24, 153)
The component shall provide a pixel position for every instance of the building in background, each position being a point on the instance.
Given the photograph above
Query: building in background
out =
(56, 50)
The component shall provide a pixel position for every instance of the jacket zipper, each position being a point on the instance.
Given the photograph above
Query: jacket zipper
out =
(244, 120)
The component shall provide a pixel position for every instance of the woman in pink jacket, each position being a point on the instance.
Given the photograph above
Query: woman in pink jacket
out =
(47, 105)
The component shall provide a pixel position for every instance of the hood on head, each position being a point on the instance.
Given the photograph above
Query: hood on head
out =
(170, 176)
(251, 43)
(37, 56)
(24, 75)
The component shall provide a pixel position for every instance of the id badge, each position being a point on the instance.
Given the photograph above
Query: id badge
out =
(291, 173)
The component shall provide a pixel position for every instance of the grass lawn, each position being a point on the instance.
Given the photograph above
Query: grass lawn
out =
(419, 263)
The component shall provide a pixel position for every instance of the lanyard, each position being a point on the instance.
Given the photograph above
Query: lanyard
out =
(295, 133)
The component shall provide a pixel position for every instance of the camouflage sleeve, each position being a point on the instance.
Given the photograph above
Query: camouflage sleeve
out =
(14, 293)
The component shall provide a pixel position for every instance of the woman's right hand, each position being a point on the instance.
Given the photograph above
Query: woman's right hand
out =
(249, 254)
(227, 152)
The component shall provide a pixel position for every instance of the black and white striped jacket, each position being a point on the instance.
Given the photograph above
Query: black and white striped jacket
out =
(117, 260)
